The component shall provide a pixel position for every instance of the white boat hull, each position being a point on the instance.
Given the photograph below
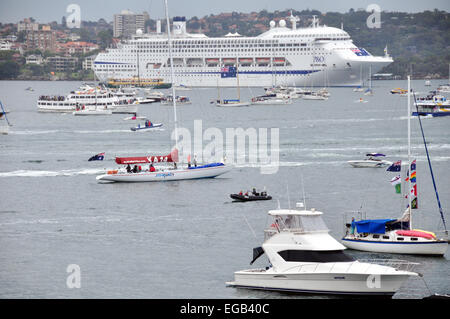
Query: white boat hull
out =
(166, 175)
(92, 112)
(437, 247)
(314, 97)
(273, 102)
(369, 163)
(233, 104)
(322, 283)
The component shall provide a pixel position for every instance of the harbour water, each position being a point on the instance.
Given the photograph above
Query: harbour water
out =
(185, 239)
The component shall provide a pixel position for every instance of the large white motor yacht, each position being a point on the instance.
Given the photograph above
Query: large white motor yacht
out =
(305, 258)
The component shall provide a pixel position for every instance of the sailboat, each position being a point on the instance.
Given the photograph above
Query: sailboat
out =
(165, 173)
(313, 95)
(4, 128)
(397, 235)
(231, 102)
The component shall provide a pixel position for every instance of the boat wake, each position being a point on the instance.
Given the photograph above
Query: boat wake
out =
(42, 173)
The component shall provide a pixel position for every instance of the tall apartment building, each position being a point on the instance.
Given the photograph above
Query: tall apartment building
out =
(126, 23)
(44, 40)
(27, 25)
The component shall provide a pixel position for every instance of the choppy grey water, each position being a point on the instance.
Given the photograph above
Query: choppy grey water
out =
(185, 239)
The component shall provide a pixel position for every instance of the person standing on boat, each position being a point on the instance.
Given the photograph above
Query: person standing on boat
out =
(352, 227)
(151, 168)
(128, 168)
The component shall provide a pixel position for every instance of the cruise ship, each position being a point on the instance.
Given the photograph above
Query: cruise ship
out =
(314, 56)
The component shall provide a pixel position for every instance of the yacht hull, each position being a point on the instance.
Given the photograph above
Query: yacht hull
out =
(166, 175)
(369, 164)
(436, 248)
(324, 283)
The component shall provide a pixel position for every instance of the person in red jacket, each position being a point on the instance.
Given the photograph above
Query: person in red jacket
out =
(152, 168)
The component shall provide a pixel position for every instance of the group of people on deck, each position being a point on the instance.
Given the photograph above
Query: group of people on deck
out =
(137, 169)
(253, 193)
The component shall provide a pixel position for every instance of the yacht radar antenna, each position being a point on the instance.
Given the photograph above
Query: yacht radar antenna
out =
(315, 23)
(294, 20)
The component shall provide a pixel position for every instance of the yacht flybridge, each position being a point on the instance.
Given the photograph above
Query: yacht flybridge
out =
(305, 258)
(283, 55)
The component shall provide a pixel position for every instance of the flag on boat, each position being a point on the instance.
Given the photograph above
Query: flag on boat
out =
(413, 191)
(396, 167)
(397, 183)
(98, 157)
(413, 172)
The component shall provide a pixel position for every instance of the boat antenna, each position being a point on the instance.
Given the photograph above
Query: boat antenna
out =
(169, 43)
(431, 169)
(303, 190)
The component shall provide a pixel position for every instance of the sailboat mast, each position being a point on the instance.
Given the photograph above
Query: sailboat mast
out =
(137, 64)
(409, 151)
(169, 42)
(237, 79)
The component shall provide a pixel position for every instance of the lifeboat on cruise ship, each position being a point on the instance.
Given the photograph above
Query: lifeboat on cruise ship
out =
(262, 60)
(212, 61)
(228, 61)
(245, 60)
(279, 61)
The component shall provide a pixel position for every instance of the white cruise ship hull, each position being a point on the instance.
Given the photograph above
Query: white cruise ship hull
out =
(166, 175)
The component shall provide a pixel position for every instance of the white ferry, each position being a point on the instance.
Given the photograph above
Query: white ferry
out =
(314, 56)
(88, 98)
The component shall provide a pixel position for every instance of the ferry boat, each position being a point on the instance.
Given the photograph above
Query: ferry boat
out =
(89, 98)
(285, 56)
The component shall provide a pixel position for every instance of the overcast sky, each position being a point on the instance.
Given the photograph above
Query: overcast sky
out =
(45, 11)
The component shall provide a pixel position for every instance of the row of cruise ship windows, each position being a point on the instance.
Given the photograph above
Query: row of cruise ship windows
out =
(266, 45)
(335, 36)
(226, 50)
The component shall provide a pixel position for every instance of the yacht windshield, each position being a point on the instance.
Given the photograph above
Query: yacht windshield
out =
(298, 223)
(325, 256)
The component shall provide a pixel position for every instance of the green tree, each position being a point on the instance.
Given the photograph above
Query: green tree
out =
(9, 70)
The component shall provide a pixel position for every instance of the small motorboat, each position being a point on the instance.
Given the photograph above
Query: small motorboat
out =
(399, 91)
(146, 126)
(371, 161)
(248, 197)
(145, 100)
